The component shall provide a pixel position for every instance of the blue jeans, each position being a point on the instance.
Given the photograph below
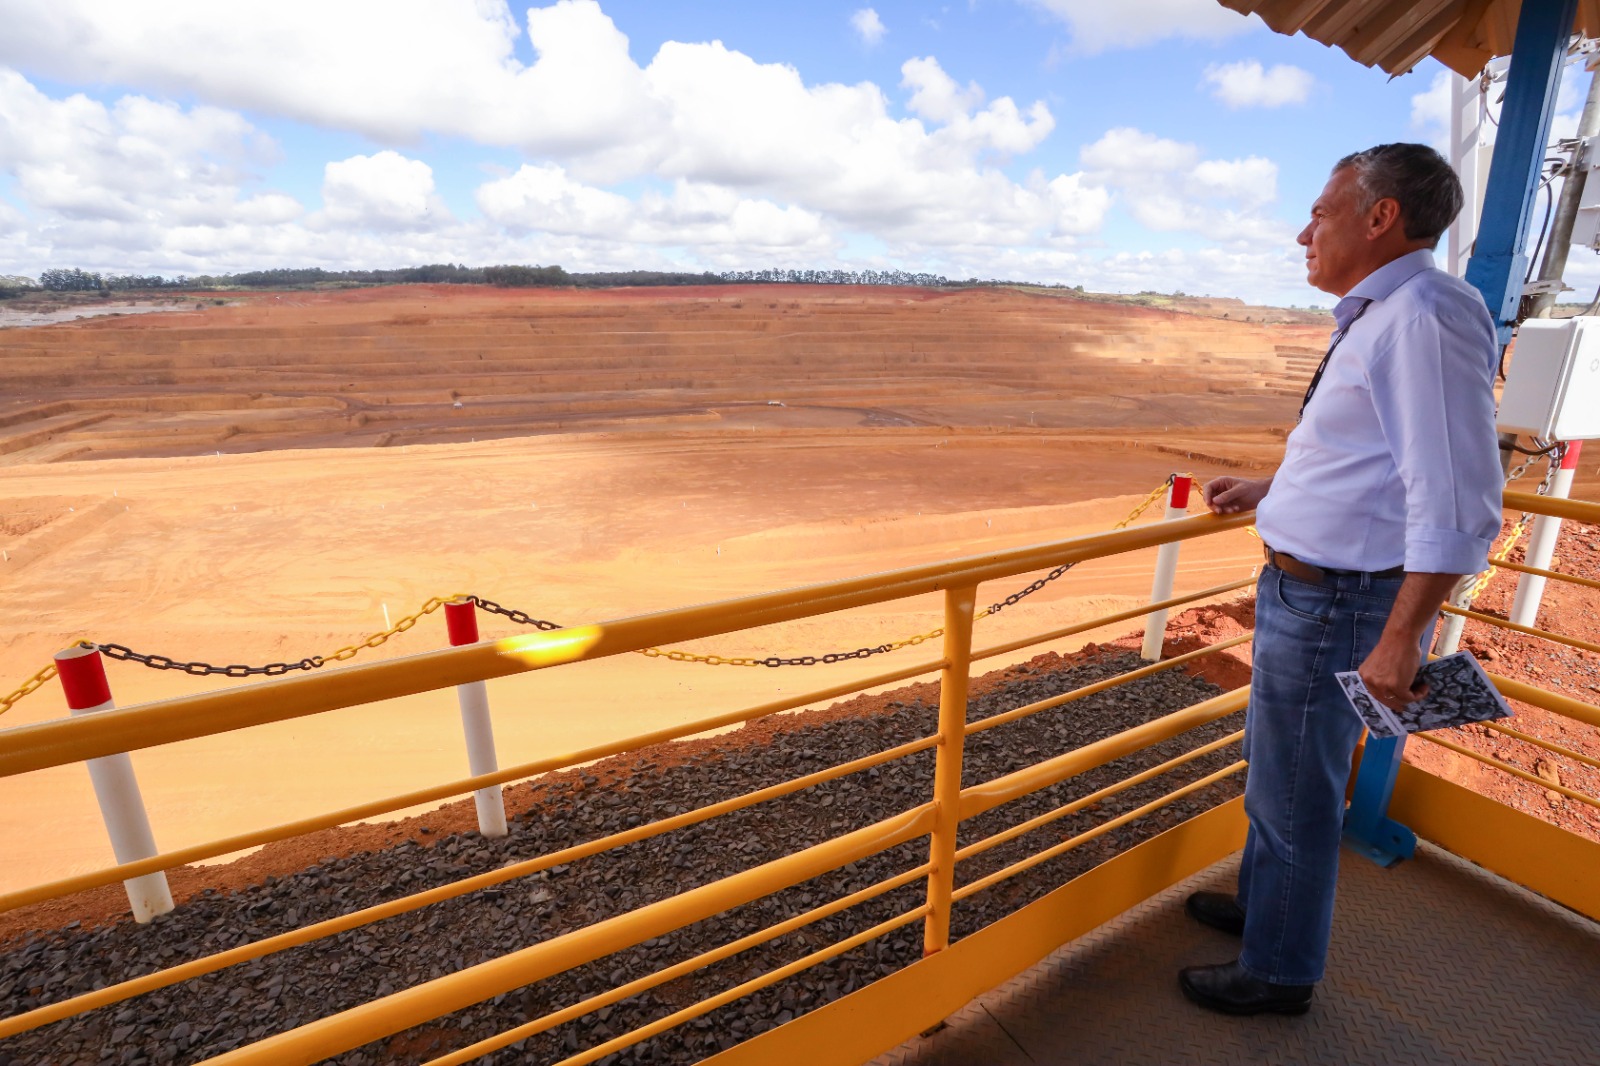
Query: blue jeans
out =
(1300, 735)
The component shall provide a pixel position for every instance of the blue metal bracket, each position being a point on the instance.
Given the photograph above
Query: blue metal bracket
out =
(1368, 829)
(1498, 262)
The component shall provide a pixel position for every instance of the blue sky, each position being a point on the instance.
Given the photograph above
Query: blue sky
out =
(1169, 144)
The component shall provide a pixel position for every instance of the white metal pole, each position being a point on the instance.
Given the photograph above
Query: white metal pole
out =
(1155, 629)
(462, 621)
(1542, 543)
(83, 676)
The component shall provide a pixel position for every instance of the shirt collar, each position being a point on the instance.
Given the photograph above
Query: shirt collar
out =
(1389, 277)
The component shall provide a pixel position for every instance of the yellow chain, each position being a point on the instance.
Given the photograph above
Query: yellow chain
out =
(1499, 557)
(1144, 505)
(29, 686)
(350, 651)
(691, 657)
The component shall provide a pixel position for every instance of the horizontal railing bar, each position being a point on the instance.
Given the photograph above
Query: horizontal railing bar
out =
(977, 847)
(35, 747)
(1554, 575)
(1514, 771)
(677, 970)
(1540, 742)
(755, 984)
(221, 960)
(413, 1006)
(1553, 506)
(987, 795)
(1100, 686)
(1566, 706)
(360, 812)
(1065, 846)
(1501, 623)
(1111, 619)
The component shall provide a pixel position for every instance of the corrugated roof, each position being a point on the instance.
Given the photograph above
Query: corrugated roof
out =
(1397, 34)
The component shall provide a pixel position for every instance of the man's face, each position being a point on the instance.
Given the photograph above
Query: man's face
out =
(1336, 240)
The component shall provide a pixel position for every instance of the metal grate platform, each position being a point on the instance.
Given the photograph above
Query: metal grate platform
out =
(1433, 961)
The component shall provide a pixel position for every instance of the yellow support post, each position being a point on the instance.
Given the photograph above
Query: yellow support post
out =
(958, 605)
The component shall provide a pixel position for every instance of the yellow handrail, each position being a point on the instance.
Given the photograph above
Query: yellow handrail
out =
(1554, 507)
(401, 1010)
(988, 795)
(35, 747)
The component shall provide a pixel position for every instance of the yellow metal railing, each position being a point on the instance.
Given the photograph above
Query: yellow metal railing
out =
(56, 743)
(35, 747)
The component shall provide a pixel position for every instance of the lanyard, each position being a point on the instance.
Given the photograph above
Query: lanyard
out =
(1316, 378)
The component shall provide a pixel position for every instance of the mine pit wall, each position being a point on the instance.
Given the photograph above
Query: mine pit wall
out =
(959, 359)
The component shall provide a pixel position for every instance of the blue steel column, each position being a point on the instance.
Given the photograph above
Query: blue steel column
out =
(1498, 264)
(1497, 268)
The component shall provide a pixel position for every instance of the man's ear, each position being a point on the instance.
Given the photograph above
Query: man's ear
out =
(1383, 217)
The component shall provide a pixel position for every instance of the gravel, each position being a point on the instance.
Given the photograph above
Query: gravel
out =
(221, 1011)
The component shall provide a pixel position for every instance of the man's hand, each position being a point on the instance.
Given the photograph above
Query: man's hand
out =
(1230, 495)
(1390, 671)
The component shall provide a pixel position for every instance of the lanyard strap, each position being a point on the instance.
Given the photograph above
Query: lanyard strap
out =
(1316, 378)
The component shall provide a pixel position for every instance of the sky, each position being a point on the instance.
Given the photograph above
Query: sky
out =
(1168, 145)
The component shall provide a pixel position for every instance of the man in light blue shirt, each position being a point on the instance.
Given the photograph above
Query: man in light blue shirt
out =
(1388, 493)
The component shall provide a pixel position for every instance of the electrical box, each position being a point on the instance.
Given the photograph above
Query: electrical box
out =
(1586, 224)
(1553, 387)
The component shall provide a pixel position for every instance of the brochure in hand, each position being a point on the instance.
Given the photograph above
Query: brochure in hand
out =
(1458, 692)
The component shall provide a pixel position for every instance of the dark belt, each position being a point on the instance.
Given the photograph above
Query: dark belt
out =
(1318, 575)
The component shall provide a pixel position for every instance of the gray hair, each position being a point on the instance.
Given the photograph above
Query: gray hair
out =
(1427, 189)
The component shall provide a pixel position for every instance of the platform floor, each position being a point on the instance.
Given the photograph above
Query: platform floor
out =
(1433, 961)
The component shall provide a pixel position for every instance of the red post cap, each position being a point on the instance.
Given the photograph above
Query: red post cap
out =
(83, 676)
(1180, 490)
(461, 618)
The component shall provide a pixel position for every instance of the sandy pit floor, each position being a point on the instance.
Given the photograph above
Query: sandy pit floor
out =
(275, 479)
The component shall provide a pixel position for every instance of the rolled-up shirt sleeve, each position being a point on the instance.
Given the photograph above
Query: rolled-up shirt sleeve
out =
(1432, 387)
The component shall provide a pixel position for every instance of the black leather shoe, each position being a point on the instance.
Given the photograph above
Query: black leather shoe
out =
(1226, 988)
(1219, 910)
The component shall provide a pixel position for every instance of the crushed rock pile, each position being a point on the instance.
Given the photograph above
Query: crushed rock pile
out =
(210, 1015)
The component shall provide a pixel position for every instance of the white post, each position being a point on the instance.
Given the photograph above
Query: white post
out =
(1542, 543)
(462, 620)
(1155, 629)
(1471, 146)
(83, 676)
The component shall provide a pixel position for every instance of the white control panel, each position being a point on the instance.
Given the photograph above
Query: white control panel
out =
(1553, 385)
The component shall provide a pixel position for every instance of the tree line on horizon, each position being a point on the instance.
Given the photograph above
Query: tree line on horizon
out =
(73, 279)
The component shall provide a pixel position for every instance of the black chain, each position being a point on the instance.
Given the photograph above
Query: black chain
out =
(1015, 597)
(831, 657)
(164, 662)
(522, 618)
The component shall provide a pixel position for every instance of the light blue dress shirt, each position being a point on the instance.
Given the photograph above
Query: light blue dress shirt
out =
(1396, 460)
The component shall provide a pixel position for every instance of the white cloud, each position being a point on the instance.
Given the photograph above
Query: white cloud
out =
(1127, 150)
(546, 199)
(1430, 111)
(868, 26)
(935, 94)
(1099, 25)
(422, 66)
(137, 163)
(1247, 84)
(381, 191)
(1167, 187)
(698, 112)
